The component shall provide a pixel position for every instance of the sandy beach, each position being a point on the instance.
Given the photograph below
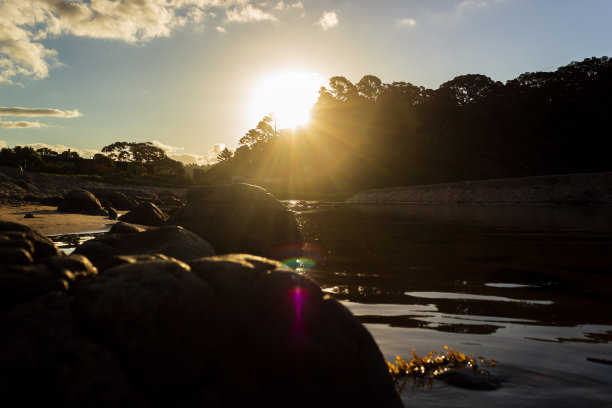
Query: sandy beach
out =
(49, 222)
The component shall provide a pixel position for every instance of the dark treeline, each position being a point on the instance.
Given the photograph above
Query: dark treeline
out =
(371, 134)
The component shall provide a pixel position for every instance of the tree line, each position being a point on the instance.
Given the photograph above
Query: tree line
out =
(373, 134)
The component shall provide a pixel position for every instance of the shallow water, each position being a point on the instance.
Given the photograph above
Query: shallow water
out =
(528, 286)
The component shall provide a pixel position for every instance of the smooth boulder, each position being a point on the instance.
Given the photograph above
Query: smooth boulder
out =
(145, 214)
(14, 235)
(77, 201)
(172, 241)
(239, 218)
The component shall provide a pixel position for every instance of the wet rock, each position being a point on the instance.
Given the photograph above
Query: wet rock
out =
(145, 214)
(238, 218)
(175, 242)
(15, 234)
(470, 378)
(77, 201)
(47, 361)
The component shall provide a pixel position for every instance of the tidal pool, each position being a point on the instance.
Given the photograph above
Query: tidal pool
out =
(528, 286)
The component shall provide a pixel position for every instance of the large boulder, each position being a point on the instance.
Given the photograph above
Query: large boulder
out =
(77, 201)
(239, 218)
(47, 360)
(145, 213)
(235, 330)
(172, 241)
(16, 239)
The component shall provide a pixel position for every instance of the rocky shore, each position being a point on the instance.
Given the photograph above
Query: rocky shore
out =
(591, 188)
(189, 304)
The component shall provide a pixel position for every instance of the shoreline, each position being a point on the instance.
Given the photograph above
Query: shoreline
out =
(50, 222)
(584, 188)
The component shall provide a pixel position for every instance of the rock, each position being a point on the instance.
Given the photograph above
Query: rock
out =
(15, 256)
(47, 361)
(77, 201)
(101, 212)
(20, 284)
(153, 314)
(145, 214)
(234, 330)
(52, 201)
(29, 216)
(125, 228)
(122, 198)
(112, 213)
(40, 246)
(175, 242)
(470, 378)
(238, 218)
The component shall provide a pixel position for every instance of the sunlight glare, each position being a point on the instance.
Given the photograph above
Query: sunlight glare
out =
(289, 95)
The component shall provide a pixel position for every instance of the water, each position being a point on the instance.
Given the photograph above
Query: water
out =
(528, 286)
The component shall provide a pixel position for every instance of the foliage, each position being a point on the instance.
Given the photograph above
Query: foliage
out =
(225, 154)
(422, 370)
(373, 134)
(22, 157)
(143, 152)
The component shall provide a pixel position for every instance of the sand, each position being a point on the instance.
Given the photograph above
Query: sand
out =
(50, 222)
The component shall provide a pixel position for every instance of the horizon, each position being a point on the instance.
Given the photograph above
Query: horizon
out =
(189, 78)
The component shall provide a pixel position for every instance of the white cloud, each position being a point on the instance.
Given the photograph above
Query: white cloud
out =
(32, 112)
(407, 22)
(2, 144)
(177, 153)
(61, 148)
(247, 14)
(328, 20)
(281, 5)
(24, 25)
(20, 125)
(221, 29)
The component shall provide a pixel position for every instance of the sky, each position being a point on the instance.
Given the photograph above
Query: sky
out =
(192, 76)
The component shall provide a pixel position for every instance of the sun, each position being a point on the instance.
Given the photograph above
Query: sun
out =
(289, 95)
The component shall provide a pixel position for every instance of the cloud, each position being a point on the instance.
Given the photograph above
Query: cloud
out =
(281, 5)
(177, 153)
(221, 29)
(247, 14)
(25, 25)
(329, 19)
(60, 148)
(2, 144)
(20, 125)
(407, 22)
(32, 112)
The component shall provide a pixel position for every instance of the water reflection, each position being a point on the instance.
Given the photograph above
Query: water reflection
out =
(526, 285)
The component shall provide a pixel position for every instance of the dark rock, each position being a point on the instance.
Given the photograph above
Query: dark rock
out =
(47, 361)
(122, 202)
(52, 201)
(29, 216)
(145, 214)
(31, 198)
(15, 256)
(77, 201)
(24, 283)
(235, 330)
(125, 228)
(470, 378)
(122, 198)
(42, 246)
(175, 242)
(112, 213)
(102, 212)
(153, 315)
(238, 218)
